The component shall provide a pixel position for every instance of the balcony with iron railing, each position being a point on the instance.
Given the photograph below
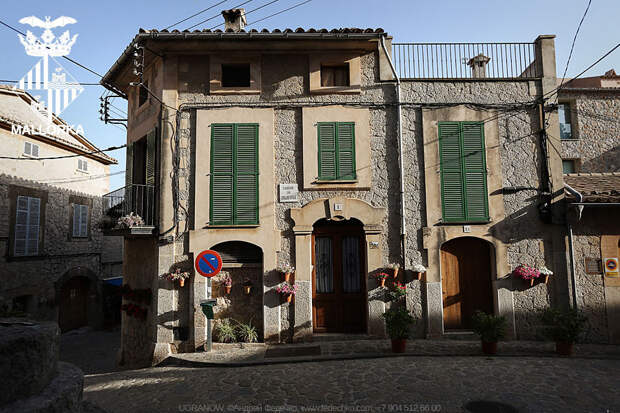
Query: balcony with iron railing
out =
(462, 61)
(130, 211)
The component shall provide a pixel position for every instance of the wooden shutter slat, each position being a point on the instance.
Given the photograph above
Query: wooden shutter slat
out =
(246, 175)
(34, 206)
(327, 150)
(451, 172)
(221, 200)
(151, 146)
(76, 220)
(474, 167)
(221, 188)
(346, 150)
(83, 220)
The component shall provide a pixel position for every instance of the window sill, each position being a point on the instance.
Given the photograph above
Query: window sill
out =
(25, 155)
(569, 139)
(81, 171)
(234, 91)
(231, 226)
(344, 90)
(335, 181)
(446, 223)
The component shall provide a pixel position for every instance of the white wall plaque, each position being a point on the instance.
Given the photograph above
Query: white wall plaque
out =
(466, 228)
(288, 192)
(337, 207)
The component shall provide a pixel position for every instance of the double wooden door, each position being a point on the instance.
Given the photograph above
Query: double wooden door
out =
(465, 280)
(338, 281)
(73, 306)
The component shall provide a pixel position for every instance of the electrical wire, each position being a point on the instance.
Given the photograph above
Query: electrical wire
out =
(74, 83)
(217, 15)
(280, 12)
(49, 158)
(79, 179)
(194, 15)
(249, 12)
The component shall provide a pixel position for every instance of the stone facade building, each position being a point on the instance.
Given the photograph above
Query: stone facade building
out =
(302, 148)
(53, 253)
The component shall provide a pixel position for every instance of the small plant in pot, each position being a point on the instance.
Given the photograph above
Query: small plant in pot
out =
(287, 291)
(227, 280)
(381, 277)
(286, 272)
(247, 286)
(398, 322)
(491, 328)
(564, 327)
(395, 268)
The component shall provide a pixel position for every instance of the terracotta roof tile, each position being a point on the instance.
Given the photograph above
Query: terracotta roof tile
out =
(595, 187)
(286, 30)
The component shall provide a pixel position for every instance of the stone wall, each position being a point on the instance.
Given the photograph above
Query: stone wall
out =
(594, 116)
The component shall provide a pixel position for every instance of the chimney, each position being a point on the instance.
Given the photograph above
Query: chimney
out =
(478, 66)
(234, 19)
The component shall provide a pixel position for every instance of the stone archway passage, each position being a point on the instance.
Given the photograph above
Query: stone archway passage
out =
(466, 281)
(73, 306)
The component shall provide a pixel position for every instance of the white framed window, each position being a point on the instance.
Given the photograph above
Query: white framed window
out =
(82, 165)
(564, 115)
(27, 220)
(31, 149)
(80, 221)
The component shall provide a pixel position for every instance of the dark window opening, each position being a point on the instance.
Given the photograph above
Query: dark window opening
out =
(237, 75)
(144, 95)
(335, 75)
(139, 162)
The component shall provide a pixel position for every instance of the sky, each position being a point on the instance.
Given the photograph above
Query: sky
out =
(105, 28)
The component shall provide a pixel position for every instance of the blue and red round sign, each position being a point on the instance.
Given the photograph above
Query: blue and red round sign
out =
(208, 263)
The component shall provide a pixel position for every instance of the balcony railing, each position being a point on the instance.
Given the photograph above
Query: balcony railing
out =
(137, 199)
(466, 60)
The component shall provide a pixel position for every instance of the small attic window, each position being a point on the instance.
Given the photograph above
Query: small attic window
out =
(236, 75)
(144, 94)
(335, 75)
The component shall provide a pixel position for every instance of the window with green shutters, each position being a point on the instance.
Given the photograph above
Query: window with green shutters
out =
(234, 174)
(463, 172)
(336, 143)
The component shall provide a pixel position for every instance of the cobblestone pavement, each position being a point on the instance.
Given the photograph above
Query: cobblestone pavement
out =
(93, 351)
(422, 384)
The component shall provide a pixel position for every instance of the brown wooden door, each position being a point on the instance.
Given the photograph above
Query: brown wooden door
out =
(338, 281)
(465, 280)
(73, 309)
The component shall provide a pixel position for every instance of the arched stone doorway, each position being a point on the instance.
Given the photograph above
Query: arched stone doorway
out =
(78, 299)
(338, 277)
(466, 280)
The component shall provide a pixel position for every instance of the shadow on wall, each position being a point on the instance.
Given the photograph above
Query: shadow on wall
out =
(606, 162)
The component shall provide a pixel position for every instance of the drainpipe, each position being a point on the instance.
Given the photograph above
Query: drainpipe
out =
(403, 227)
(570, 242)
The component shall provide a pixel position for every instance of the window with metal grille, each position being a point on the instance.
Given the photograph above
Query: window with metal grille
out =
(80, 221)
(336, 143)
(463, 172)
(27, 222)
(335, 75)
(31, 149)
(234, 174)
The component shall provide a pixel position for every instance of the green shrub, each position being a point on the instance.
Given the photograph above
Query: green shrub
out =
(491, 328)
(398, 322)
(247, 332)
(225, 331)
(564, 325)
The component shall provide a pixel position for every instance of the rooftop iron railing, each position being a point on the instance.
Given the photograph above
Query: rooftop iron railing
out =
(136, 198)
(466, 60)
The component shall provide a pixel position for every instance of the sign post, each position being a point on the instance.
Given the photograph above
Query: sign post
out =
(208, 264)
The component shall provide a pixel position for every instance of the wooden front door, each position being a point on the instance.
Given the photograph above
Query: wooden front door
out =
(338, 281)
(73, 309)
(465, 280)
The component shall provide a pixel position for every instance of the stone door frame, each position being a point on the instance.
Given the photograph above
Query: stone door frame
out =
(338, 209)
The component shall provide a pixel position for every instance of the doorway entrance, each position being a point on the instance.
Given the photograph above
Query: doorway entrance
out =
(466, 281)
(338, 277)
(73, 308)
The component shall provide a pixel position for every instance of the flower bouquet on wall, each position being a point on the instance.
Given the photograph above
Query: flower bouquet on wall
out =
(287, 290)
(528, 274)
(381, 277)
(130, 221)
(286, 272)
(227, 281)
(177, 275)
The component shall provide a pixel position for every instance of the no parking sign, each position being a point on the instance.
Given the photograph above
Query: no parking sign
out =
(208, 263)
(611, 267)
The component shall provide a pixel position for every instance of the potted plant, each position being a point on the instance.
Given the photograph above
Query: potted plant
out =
(381, 277)
(526, 273)
(545, 272)
(398, 322)
(247, 332)
(419, 269)
(129, 221)
(177, 275)
(286, 271)
(395, 268)
(398, 290)
(247, 286)
(227, 282)
(225, 331)
(564, 327)
(287, 290)
(491, 328)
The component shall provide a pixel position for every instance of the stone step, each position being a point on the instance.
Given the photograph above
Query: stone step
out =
(460, 335)
(325, 337)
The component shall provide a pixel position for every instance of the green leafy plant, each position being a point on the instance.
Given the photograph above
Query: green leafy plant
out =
(564, 325)
(397, 290)
(491, 328)
(225, 331)
(398, 322)
(247, 332)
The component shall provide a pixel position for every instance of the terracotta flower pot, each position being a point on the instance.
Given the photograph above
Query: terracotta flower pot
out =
(247, 289)
(399, 345)
(228, 288)
(289, 298)
(396, 272)
(489, 347)
(181, 282)
(564, 348)
(287, 276)
(382, 282)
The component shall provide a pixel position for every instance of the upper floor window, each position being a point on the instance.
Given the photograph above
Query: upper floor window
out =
(31, 149)
(234, 174)
(82, 165)
(80, 221)
(236, 75)
(564, 115)
(336, 143)
(27, 224)
(463, 172)
(569, 166)
(143, 94)
(335, 75)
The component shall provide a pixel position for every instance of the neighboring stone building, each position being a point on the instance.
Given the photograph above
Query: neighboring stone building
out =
(589, 110)
(54, 255)
(228, 125)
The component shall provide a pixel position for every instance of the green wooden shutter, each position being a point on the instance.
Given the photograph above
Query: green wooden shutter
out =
(221, 194)
(453, 208)
(327, 150)
(128, 199)
(151, 152)
(246, 174)
(475, 171)
(345, 133)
